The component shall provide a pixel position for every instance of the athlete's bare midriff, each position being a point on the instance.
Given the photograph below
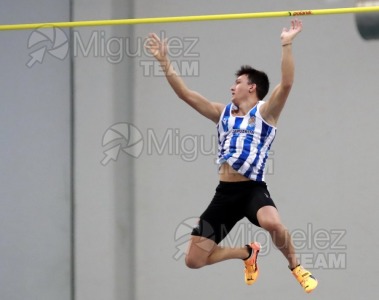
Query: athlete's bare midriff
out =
(227, 173)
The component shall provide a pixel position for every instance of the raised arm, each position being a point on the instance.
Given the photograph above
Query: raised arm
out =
(271, 110)
(210, 110)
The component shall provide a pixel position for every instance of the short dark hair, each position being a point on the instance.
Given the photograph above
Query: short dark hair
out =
(258, 77)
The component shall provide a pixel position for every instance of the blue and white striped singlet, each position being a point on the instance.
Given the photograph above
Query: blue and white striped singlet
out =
(244, 142)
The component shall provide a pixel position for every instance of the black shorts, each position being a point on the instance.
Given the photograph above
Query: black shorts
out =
(232, 202)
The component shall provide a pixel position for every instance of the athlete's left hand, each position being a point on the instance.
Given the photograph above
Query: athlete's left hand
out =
(288, 34)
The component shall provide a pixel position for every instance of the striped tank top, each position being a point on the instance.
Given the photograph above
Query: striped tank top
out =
(244, 142)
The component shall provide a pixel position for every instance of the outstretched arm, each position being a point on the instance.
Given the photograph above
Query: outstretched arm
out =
(271, 110)
(210, 110)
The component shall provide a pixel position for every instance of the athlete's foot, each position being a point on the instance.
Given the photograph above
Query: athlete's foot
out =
(251, 266)
(305, 278)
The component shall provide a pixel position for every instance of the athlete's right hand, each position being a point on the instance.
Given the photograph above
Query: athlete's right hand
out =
(156, 47)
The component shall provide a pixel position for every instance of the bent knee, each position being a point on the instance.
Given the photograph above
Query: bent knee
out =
(194, 262)
(273, 226)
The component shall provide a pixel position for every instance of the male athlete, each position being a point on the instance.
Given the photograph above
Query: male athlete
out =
(246, 130)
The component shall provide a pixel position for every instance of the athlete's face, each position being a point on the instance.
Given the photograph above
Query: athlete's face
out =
(241, 89)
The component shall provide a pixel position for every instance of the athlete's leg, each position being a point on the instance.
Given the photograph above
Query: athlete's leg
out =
(214, 225)
(202, 252)
(268, 218)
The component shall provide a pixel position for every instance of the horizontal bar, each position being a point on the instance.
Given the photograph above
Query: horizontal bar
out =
(277, 14)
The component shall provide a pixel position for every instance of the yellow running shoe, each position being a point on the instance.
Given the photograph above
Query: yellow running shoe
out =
(251, 266)
(305, 278)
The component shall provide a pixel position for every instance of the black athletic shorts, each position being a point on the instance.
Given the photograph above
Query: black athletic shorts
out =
(232, 202)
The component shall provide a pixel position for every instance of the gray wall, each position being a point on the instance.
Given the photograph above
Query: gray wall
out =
(133, 211)
(103, 96)
(35, 161)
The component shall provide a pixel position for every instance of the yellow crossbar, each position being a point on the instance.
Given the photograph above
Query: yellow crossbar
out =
(277, 14)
